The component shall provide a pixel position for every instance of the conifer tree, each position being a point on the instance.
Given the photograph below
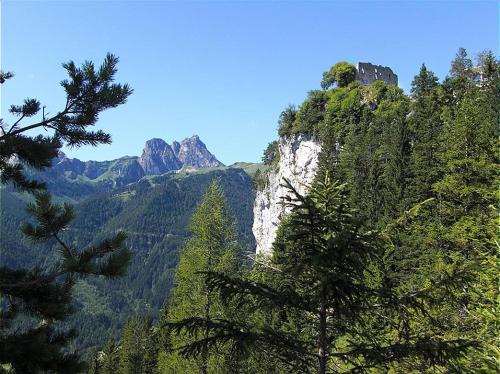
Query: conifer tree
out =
(137, 347)
(212, 247)
(467, 196)
(334, 293)
(42, 296)
(109, 358)
(456, 230)
(366, 141)
(425, 125)
(94, 366)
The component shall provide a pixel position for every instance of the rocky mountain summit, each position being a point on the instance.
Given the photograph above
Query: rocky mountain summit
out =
(193, 152)
(158, 157)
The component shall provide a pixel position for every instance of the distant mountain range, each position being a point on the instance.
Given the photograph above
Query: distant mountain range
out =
(158, 157)
(151, 198)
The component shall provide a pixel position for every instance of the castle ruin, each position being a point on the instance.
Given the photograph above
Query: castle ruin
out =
(369, 73)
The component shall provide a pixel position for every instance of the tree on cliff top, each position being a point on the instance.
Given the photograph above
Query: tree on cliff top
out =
(341, 73)
(33, 300)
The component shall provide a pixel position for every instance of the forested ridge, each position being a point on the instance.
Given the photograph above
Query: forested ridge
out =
(155, 213)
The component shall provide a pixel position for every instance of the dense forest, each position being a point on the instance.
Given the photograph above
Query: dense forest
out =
(388, 264)
(155, 213)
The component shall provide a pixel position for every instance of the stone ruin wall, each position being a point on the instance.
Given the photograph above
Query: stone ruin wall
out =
(369, 73)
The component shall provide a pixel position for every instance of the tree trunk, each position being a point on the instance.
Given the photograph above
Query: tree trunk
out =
(204, 357)
(322, 340)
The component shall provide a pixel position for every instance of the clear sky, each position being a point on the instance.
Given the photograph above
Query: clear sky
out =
(224, 70)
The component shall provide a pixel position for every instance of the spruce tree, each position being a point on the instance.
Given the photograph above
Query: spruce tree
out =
(40, 297)
(94, 366)
(334, 293)
(456, 229)
(467, 200)
(425, 125)
(365, 139)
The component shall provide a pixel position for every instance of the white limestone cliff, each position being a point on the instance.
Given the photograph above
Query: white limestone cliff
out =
(298, 163)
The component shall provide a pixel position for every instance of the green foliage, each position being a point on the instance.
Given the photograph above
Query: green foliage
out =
(212, 247)
(424, 171)
(286, 120)
(305, 120)
(335, 296)
(138, 348)
(154, 214)
(110, 358)
(342, 73)
(259, 180)
(31, 340)
(424, 126)
(88, 92)
(271, 154)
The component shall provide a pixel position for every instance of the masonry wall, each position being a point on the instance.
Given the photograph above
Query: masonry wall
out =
(369, 73)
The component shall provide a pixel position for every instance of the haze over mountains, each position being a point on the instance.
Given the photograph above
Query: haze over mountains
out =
(158, 157)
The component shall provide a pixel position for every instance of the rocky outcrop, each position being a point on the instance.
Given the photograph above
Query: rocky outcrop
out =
(126, 170)
(298, 163)
(192, 152)
(158, 158)
(176, 146)
(64, 164)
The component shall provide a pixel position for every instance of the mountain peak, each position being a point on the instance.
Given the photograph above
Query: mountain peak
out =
(193, 152)
(159, 157)
(155, 143)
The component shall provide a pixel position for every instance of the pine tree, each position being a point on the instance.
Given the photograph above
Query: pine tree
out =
(44, 295)
(212, 247)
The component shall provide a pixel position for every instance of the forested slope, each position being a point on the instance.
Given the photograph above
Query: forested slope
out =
(154, 213)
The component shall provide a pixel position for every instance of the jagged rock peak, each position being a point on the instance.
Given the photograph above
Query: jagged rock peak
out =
(192, 152)
(158, 158)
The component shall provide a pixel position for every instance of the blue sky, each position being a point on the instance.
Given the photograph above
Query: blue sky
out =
(224, 70)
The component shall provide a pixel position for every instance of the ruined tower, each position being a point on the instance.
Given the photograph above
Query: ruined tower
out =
(369, 73)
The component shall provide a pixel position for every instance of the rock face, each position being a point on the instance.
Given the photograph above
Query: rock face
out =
(158, 158)
(175, 147)
(192, 152)
(298, 163)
